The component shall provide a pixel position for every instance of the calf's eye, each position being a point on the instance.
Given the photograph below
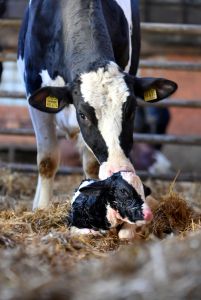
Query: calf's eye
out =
(124, 192)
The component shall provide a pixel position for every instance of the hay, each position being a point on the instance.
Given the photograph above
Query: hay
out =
(39, 245)
(174, 215)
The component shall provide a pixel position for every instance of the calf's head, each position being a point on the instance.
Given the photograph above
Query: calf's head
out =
(105, 102)
(124, 201)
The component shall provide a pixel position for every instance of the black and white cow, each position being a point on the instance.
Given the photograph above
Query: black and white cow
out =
(79, 59)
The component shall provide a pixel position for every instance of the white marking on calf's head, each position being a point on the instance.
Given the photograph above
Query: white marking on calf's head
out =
(83, 184)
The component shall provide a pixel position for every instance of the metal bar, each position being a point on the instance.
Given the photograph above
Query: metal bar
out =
(33, 168)
(146, 27)
(167, 139)
(10, 23)
(165, 103)
(26, 132)
(12, 95)
(8, 57)
(18, 147)
(172, 103)
(172, 2)
(30, 168)
(171, 28)
(170, 65)
(144, 63)
(18, 131)
(170, 176)
(138, 137)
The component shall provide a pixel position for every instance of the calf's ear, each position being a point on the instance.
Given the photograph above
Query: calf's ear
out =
(94, 188)
(51, 99)
(153, 89)
(147, 190)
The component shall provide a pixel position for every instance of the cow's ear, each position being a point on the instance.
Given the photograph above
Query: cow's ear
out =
(51, 99)
(94, 188)
(153, 89)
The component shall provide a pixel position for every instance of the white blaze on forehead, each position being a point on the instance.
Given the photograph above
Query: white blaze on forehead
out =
(135, 181)
(106, 91)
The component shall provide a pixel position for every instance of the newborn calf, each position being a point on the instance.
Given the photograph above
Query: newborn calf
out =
(107, 203)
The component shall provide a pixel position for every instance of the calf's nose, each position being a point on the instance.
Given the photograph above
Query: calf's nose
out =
(148, 216)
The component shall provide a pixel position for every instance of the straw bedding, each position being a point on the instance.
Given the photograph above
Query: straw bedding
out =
(39, 259)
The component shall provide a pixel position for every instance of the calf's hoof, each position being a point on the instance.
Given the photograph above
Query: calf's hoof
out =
(127, 232)
(84, 231)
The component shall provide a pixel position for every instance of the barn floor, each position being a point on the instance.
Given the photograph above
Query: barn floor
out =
(39, 259)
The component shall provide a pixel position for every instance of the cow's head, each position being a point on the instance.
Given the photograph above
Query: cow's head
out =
(105, 102)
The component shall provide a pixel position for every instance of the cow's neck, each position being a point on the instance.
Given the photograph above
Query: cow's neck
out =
(87, 42)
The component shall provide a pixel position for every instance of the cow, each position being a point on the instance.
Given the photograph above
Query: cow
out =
(79, 60)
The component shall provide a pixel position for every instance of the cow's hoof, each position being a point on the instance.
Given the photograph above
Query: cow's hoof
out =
(84, 231)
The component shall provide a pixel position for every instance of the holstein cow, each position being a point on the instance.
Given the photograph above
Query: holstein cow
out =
(79, 59)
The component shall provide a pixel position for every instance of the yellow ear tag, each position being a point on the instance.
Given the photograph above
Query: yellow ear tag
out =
(150, 95)
(52, 102)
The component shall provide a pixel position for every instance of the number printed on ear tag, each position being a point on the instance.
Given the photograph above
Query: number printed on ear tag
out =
(150, 95)
(52, 102)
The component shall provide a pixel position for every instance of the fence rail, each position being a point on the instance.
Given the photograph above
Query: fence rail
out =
(170, 65)
(138, 138)
(8, 57)
(180, 29)
(180, 103)
(144, 63)
(30, 168)
(145, 27)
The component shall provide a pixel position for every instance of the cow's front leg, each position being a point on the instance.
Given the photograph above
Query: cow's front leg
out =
(90, 164)
(47, 156)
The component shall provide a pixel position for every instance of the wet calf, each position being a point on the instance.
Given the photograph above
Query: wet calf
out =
(107, 203)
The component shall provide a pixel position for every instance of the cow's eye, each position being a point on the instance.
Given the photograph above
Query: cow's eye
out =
(82, 116)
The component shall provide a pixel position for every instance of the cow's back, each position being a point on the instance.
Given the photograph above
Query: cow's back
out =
(42, 43)
(122, 17)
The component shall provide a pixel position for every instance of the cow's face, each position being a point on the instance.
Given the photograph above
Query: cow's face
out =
(105, 102)
(105, 112)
